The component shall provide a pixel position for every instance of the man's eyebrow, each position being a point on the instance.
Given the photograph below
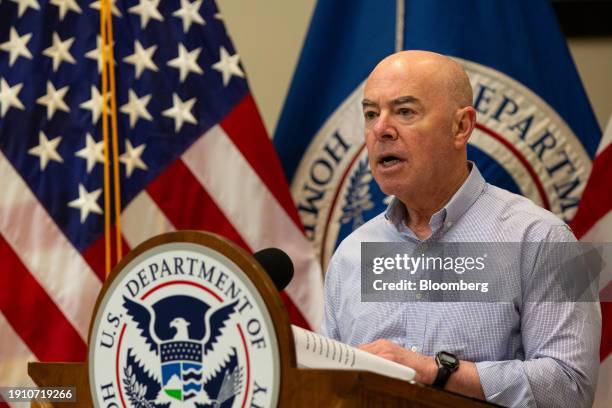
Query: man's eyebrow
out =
(368, 103)
(405, 99)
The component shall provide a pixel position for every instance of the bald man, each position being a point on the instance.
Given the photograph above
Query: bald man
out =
(418, 114)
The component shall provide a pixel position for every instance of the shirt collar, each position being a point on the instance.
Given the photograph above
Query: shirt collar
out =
(459, 203)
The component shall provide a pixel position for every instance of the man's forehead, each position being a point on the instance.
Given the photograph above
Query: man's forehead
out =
(401, 81)
(394, 89)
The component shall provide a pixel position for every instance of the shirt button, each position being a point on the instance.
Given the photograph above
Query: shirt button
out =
(419, 296)
(449, 224)
(414, 348)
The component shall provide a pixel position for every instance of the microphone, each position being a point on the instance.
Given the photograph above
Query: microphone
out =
(277, 264)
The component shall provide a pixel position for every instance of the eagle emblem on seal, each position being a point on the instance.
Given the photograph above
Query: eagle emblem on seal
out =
(193, 366)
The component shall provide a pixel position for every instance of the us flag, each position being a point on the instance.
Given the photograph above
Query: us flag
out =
(193, 154)
(593, 223)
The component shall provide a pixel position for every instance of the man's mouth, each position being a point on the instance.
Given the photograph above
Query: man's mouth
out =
(388, 161)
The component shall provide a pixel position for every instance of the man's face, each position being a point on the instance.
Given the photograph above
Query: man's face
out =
(408, 129)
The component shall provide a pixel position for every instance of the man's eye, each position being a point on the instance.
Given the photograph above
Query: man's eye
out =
(369, 115)
(405, 111)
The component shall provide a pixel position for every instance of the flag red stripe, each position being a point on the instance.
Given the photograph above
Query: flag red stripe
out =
(597, 198)
(32, 313)
(606, 330)
(295, 316)
(193, 208)
(95, 256)
(244, 127)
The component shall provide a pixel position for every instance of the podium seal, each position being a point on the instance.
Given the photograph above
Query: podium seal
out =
(182, 325)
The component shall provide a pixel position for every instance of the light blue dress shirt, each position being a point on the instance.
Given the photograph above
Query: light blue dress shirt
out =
(527, 354)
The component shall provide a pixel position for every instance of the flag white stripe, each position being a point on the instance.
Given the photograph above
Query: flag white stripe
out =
(14, 357)
(255, 213)
(42, 247)
(143, 219)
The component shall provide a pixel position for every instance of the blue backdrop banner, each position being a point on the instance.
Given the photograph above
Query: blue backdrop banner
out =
(536, 133)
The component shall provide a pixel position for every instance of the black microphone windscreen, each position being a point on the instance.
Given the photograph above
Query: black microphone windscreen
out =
(277, 264)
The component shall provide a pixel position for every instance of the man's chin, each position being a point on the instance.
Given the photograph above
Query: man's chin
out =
(393, 189)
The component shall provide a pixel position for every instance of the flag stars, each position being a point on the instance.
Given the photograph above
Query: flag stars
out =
(65, 6)
(16, 46)
(96, 5)
(46, 150)
(147, 10)
(54, 100)
(180, 112)
(189, 13)
(228, 66)
(131, 158)
(92, 152)
(60, 51)
(9, 97)
(87, 202)
(23, 5)
(186, 62)
(95, 104)
(136, 108)
(142, 58)
(96, 53)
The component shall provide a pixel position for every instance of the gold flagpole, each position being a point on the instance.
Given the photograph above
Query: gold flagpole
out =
(117, 181)
(107, 196)
(108, 75)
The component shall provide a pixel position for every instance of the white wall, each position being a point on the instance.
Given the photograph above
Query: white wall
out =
(269, 35)
(593, 57)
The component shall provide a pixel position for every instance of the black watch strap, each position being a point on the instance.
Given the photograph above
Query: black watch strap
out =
(442, 377)
(447, 363)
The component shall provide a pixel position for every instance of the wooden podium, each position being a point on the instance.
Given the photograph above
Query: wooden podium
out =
(297, 387)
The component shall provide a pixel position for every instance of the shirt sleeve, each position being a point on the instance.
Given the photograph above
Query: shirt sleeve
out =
(331, 300)
(561, 344)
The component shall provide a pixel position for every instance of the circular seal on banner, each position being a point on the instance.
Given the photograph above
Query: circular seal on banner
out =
(181, 325)
(520, 143)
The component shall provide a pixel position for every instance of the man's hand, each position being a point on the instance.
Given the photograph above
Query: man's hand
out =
(464, 381)
(425, 366)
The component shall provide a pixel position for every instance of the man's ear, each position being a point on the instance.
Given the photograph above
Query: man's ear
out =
(465, 120)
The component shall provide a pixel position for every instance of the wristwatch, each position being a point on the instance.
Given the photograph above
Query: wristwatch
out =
(447, 364)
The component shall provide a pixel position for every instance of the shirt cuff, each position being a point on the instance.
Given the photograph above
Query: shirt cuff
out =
(505, 383)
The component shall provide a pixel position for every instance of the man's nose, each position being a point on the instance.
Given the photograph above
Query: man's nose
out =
(384, 129)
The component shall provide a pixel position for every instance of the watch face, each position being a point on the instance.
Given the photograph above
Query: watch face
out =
(447, 359)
